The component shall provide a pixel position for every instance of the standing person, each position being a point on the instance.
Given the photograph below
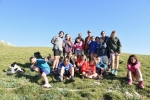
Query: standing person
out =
(86, 46)
(67, 45)
(79, 36)
(133, 67)
(105, 38)
(78, 47)
(101, 50)
(114, 46)
(57, 49)
(40, 66)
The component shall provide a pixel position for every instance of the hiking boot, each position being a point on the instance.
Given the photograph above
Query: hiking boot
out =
(116, 72)
(113, 71)
(47, 85)
(60, 78)
(72, 79)
(141, 84)
(130, 82)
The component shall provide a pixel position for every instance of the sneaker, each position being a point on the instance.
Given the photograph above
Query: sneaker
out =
(60, 78)
(47, 85)
(130, 82)
(113, 71)
(53, 71)
(116, 72)
(72, 79)
(141, 84)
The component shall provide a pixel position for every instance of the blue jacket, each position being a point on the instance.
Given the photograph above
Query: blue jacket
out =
(101, 49)
(93, 46)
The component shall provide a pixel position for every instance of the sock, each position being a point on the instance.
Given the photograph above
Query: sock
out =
(140, 79)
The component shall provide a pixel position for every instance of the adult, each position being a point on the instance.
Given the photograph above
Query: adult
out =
(86, 46)
(57, 49)
(114, 46)
(79, 36)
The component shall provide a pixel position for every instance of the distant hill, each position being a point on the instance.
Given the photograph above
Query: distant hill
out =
(5, 44)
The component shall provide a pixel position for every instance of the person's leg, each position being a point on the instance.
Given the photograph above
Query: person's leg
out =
(44, 74)
(112, 63)
(139, 74)
(45, 78)
(36, 69)
(129, 77)
(71, 70)
(61, 73)
(116, 63)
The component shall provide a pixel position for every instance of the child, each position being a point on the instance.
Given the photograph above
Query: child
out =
(49, 60)
(78, 47)
(102, 51)
(93, 47)
(71, 58)
(66, 70)
(114, 46)
(40, 66)
(90, 69)
(100, 67)
(133, 66)
(81, 63)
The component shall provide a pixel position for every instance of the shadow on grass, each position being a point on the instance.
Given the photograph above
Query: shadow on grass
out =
(26, 65)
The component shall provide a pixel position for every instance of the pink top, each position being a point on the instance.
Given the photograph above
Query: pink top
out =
(78, 46)
(132, 68)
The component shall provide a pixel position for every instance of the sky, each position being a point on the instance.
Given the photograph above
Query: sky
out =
(33, 23)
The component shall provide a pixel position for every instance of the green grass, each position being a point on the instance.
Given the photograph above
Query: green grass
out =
(28, 86)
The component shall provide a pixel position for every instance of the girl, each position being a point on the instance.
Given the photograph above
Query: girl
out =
(133, 67)
(114, 46)
(66, 70)
(81, 63)
(78, 47)
(67, 45)
(90, 69)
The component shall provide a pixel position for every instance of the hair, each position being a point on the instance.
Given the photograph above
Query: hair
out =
(61, 32)
(78, 38)
(97, 38)
(114, 31)
(102, 32)
(101, 38)
(66, 35)
(84, 56)
(92, 37)
(66, 60)
(80, 33)
(31, 59)
(129, 59)
(89, 31)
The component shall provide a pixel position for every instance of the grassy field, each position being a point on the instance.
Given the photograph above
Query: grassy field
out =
(28, 86)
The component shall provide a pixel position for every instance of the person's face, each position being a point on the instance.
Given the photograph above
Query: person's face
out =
(33, 60)
(113, 34)
(99, 59)
(133, 60)
(83, 57)
(101, 40)
(65, 63)
(79, 35)
(61, 34)
(89, 34)
(92, 38)
(78, 40)
(103, 34)
(97, 39)
(67, 37)
(70, 54)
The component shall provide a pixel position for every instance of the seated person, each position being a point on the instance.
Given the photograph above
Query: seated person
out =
(40, 66)
(89, 69)
(66, 70)
(49, 60)
(100, 67)
(70, 56)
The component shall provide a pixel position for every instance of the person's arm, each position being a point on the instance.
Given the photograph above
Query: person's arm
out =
(109, 47)
(89, 42)
(53, 40)
(119, 46)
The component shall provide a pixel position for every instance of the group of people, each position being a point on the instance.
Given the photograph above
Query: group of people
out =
(86, 56)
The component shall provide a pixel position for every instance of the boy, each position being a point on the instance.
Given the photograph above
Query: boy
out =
(40, 66)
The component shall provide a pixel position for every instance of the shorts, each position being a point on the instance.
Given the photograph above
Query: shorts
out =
(45, 71)
(67, 73)
(57, 52)
(78, 52)
(115, 54)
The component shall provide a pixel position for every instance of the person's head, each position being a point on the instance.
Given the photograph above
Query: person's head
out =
(80, 35)
(83, 57)
(92, 38)
(103, 34)
(78, 39)
(89, 32)
(97, 39)
(98, 58)
(92, 61)
(66, 61)
(67, 36)
(61, 34)
(32, 60)
(70, 39)
(101, 40)
(70, 54)
(132, 59)
(113, 33)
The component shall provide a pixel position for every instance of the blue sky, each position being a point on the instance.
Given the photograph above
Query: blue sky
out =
(34, 22)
